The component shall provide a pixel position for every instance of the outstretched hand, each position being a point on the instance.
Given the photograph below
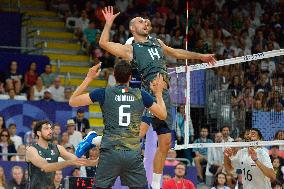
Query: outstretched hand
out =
(209, 58)
(94, 72)
(228, 152)
(108, 14)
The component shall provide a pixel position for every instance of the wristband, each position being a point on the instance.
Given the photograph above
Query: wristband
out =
(255, 160)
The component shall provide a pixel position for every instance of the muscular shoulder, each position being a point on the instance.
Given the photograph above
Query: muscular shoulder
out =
(30, 151)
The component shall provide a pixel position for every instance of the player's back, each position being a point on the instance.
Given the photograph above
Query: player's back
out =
(122, 110)
(149, 60)
(253, 178)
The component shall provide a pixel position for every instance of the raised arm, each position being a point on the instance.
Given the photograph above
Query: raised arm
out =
(265, 166)
(184, 54)
(228, 152)
(117, 49)
(79, 98)
(33, 157)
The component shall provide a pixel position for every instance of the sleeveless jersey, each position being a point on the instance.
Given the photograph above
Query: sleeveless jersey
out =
(149, 60)
(122, 110)
(39, 179)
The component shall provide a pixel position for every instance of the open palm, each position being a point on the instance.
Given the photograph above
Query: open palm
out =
(108, 14)
(209, 58)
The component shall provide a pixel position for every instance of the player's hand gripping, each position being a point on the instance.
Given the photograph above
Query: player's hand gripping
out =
(94, 72)
(157, 85)
(108, 14)
(209, 58)
(228, 152)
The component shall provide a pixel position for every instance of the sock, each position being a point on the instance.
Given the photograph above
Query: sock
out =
(156, 181)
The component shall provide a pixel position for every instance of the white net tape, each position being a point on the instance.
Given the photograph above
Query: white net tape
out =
(231, 144)
(220, 63)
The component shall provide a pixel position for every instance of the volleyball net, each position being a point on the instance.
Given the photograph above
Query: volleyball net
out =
(230, 94)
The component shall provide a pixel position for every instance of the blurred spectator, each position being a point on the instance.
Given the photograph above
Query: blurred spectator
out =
(248, 100)
(277, 185)
(6, 145)
(121, 5)
(226, 134)
(275, 153)
(121, 35)
(179, 182)
(18, 180)
(177, 39)
(200, 159)
(55, 141)
(171, 161)
(75, 137)
(2, 123)
(76, 172)
(12, 128)
(215, 160)
(47, 96)
(258, 106)
(220, 181)
(56, 132)
(236, 86)
(83, 21)
(29, 137)
(165, 178)
(70, 148)
(21, 154)
(107, 64)
(277, 168)
(279, 135)
(13, 96)
(56, 90)
(90, 36)
(13, 78)
(31, 76)
(93, 155)
(180, 122)
(158, 20)
(172, 22)
(67, 94)
(37, 90)
(48, 77)
(2, 83)
(2, 178)
(263, 84)
(64, 139)
(180, 125)
(82, 124)
(252, 73)
(58, 179)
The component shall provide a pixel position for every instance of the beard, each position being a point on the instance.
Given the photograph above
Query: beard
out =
(47, 138)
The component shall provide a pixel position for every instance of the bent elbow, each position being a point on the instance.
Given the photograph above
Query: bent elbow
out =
(102, 44)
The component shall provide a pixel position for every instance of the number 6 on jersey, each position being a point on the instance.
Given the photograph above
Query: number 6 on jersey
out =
(122, 114)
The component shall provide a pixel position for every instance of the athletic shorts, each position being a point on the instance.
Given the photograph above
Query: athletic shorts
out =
(127, 164)
(162, 126)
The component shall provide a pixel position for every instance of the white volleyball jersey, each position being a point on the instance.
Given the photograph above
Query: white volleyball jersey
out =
(252, 176)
